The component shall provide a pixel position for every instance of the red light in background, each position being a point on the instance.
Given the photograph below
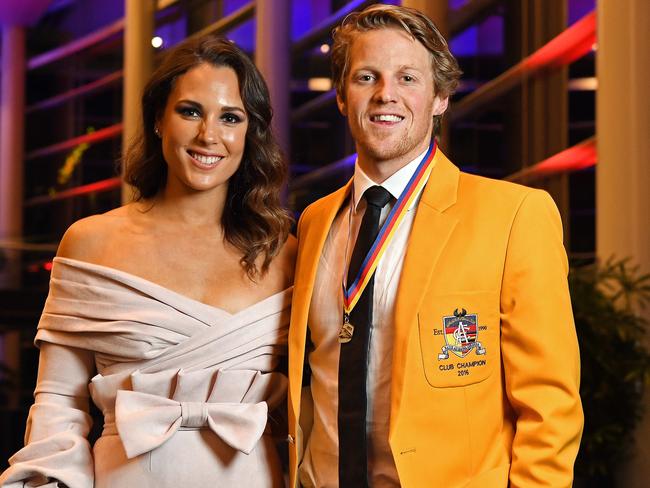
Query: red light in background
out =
(572, 44)
(580, 156)
(47, 266)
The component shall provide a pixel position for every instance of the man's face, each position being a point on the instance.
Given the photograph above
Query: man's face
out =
(389, 100)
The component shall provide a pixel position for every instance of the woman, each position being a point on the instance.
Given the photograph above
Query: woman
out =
(176, 305)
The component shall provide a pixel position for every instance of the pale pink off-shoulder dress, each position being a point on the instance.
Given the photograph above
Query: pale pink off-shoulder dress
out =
(185, 388)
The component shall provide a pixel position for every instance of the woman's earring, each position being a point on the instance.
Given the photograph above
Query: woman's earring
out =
(157, 131)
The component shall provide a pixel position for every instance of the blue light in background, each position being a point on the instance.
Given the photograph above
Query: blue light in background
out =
(579, 8)
(304, 16)
(244, 34)
(487, 38)
(484, 39)
(172, 32)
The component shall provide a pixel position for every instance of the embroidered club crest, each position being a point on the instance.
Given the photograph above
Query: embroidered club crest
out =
(461, 335)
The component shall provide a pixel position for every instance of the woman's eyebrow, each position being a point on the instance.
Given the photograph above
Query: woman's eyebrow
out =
(189, 102)
(233, 109)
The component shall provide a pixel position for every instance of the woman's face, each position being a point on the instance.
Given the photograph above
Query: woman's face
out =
(203, 129)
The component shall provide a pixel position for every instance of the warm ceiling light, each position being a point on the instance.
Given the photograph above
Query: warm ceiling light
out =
(584, 84)
(325, 48)
(319, 84)
(156, 41)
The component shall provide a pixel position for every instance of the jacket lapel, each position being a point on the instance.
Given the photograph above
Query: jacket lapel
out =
(431, 230)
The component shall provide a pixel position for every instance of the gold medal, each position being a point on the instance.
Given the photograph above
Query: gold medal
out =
(346, 333)
(347, 330)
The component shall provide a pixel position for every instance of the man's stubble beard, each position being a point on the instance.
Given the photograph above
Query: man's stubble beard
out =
(378, 153)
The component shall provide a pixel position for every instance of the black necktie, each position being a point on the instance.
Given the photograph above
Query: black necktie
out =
(353, 360)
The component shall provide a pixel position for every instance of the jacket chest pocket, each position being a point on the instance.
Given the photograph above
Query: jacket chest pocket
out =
(459, 338)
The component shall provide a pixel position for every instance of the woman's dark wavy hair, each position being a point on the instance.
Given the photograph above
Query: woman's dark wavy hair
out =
(254, 220)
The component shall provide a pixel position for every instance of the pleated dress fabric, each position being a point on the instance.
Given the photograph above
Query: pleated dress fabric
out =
(185, 388)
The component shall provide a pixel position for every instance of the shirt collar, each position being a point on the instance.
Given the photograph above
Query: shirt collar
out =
(395, 184)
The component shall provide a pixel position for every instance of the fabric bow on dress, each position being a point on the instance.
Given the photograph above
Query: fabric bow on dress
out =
(146, 421)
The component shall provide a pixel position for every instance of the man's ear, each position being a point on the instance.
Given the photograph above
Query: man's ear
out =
(440, 105)
(341, 104)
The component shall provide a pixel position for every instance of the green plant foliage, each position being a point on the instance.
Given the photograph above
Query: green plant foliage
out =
(609, 306)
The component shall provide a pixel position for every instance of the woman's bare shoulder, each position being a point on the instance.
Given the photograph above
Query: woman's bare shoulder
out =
(285, 261)
(88, 238)
(290, 248)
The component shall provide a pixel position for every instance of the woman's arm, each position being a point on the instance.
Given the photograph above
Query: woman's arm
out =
(56, 451)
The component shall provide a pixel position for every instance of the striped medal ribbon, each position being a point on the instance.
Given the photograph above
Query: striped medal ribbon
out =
(352, 294)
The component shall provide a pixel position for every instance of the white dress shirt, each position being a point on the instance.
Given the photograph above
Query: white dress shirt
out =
(319, 467)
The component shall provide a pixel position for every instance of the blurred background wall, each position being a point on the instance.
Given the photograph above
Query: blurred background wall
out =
(554, 95)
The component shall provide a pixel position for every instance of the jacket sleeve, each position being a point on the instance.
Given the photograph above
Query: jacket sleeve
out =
(540, 349)
(56, 452)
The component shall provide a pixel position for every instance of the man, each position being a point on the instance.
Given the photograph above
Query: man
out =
(431, 306)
